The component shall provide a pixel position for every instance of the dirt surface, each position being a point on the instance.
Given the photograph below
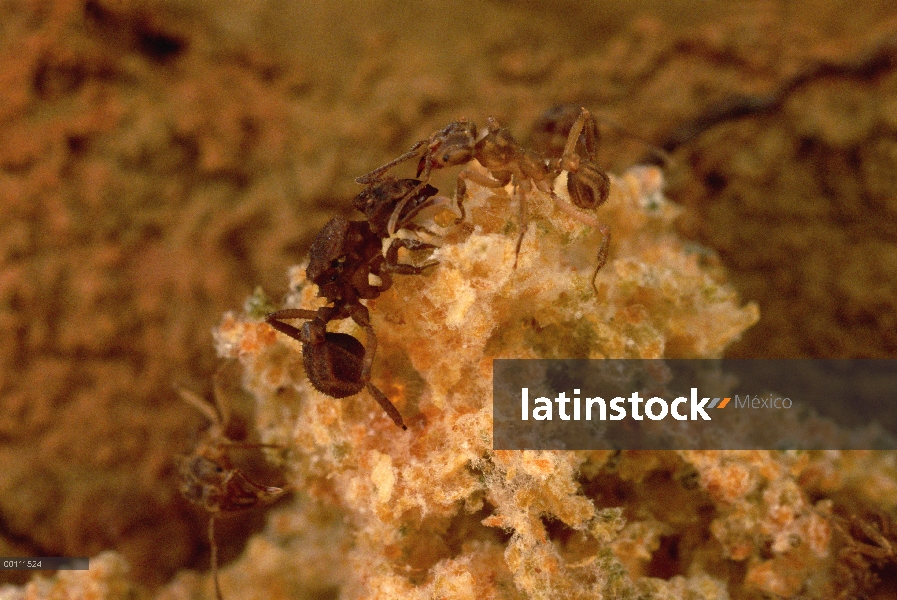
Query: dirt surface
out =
(160, 160)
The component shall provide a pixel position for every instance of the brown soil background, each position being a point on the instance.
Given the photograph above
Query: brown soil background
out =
(159, 160)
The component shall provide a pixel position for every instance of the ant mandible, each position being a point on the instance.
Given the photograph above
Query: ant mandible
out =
(507, 161)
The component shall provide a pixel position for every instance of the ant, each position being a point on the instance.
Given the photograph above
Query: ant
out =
(508, 162)
(210, 480)
(348, 264)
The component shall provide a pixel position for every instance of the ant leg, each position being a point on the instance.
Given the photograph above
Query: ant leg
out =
(274, 320)
(388, 406)
(393, 224)
(369, 352)
(394, 217)
(586, 219)
(362, 317)
(460, 192)
(603, 251)
(375, 174)
(585, 122)
(408, 219)
(476, 177)
(214, 557)
(522, 218)
(201, 405)
(362, 282)
(392, 256)
(572, 211)
(292, 313)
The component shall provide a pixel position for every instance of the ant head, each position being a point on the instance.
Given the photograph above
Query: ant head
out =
(385, 191)
(382, 197)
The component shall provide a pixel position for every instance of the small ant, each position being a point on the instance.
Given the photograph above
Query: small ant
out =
(344, 258)
(507, 161)
(210, 480)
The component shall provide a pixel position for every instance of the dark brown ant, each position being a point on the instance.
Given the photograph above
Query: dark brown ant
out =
(344, 258)
(509, 162)
(210, 480)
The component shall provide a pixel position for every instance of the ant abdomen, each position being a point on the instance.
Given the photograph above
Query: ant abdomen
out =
(334, 366)
(588, 187)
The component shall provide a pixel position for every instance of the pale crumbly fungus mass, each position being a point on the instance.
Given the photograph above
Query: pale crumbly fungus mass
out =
(434, 512)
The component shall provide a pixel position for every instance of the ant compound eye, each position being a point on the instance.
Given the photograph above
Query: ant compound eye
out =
(457, 156)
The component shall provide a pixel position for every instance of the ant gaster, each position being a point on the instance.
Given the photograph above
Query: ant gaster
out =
(344, 258)
(509, 162)
(210, 480)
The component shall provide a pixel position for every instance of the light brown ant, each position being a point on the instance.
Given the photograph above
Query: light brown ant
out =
(508, 162)
(210, 480)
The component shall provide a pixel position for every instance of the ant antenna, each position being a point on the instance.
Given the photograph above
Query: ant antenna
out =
(214, 557)
(664, 158)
